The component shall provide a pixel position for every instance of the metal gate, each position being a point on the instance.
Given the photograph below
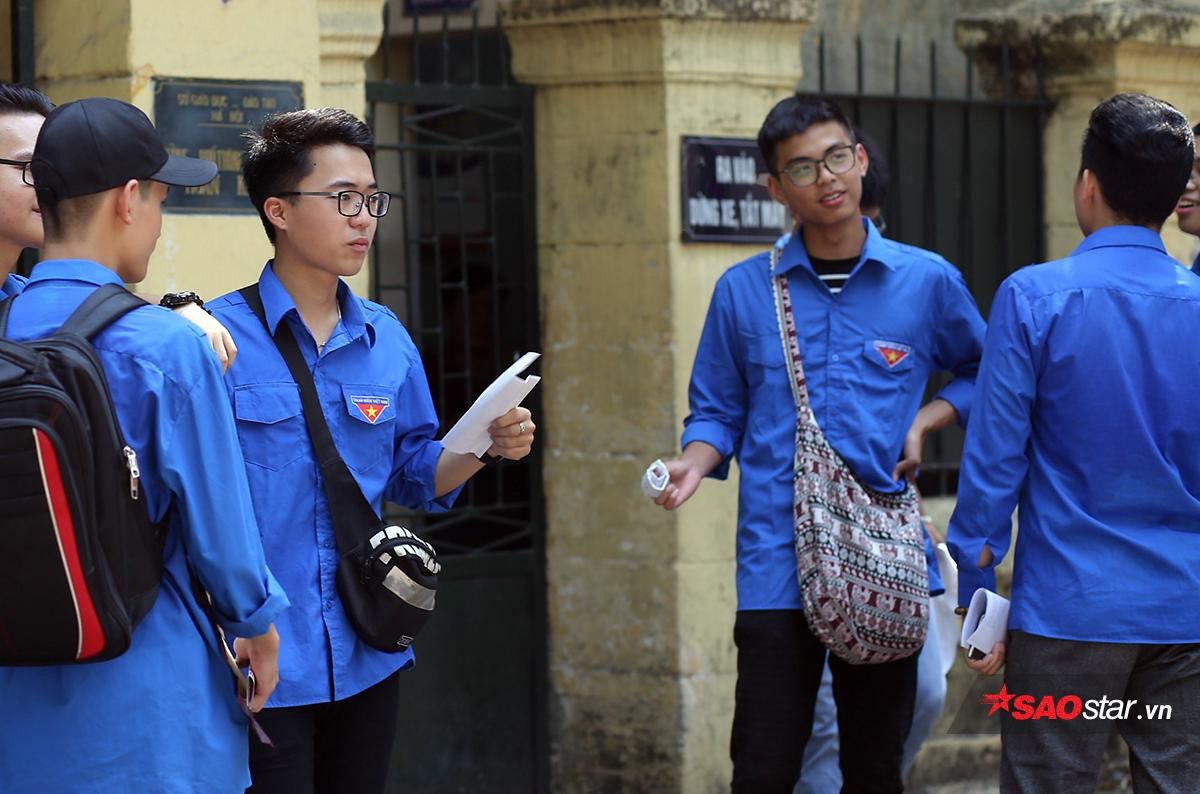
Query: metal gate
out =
(455, 260)
(966, 181)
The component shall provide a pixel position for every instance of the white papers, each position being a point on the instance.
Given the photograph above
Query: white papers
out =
(655, 480)
(942, 608)
(470, 434)
(986, 622)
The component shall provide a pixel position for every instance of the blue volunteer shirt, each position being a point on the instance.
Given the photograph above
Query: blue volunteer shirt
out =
(1085, 417)
(163, 716)
(903, 313)
(13, 284)
(936, 585)
(372, 385)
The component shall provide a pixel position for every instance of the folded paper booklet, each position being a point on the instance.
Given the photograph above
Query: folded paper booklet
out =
(986, 622)
(655, 480)
(470, 434)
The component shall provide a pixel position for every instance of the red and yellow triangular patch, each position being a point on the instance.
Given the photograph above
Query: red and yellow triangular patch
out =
(372, 408)
(892, 353)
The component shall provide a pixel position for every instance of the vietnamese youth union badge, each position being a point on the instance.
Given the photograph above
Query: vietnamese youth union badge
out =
(372, 407)
(893, 352)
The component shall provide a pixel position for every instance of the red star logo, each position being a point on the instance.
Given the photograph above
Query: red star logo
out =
(892, 356)
(371, 411)
(998, 701)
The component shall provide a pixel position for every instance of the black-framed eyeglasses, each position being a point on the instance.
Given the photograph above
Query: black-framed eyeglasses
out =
(350, 202)
(26, 174)
(837, 160)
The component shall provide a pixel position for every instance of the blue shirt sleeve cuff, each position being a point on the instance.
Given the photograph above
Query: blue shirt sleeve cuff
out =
(958, 393)
(970, 579)
(258, 621)
(717, 436)
(414, 486)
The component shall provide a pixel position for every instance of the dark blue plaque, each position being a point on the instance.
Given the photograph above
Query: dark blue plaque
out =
(206, 118)
(723, 201)
(422, 7)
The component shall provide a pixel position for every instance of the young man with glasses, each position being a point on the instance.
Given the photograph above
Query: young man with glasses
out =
(309, 174)
(820, 772)
(868, 349)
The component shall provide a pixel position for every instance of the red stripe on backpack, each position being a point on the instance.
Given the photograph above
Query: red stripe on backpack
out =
(91, 635)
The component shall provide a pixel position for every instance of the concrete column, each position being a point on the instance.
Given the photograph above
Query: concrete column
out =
(641, 601)
(351, 31)
(116, 47)
(1092, 49)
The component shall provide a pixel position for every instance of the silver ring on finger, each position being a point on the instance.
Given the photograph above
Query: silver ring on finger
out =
(521, 429)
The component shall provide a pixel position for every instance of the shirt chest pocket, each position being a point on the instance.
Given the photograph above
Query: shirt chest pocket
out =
(270, 424)
(771, 402)
(366, 425)
(887, 367)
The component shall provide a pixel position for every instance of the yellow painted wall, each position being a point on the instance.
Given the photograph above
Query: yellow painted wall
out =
(116, 47)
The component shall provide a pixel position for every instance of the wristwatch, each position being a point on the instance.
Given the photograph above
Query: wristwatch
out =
(173, 300)
(490, 460)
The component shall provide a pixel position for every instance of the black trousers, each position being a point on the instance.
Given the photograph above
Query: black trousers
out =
(344, 747)
(779, 672)
(1064, 755)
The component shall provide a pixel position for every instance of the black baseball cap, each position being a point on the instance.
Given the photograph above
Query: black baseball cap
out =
(96, 144)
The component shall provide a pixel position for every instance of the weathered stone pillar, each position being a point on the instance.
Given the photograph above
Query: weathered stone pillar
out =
(123, 44)
(1092, 49)
(641, 601)
(351, 31)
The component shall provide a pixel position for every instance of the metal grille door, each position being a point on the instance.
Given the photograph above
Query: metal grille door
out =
(455, 260)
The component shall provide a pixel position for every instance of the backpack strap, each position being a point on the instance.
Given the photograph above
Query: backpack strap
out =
(5, 308)
(100, 309)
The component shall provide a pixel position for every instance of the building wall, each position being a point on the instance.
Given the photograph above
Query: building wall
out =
(116, 47)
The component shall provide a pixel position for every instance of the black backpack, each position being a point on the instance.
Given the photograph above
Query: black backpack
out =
(80, 561)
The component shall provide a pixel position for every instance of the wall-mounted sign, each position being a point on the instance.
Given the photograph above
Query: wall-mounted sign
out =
(722, 200)
(420, 7)
(206, 118)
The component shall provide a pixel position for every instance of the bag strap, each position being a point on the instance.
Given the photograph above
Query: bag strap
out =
(100, 309)
(351, 513)
(791, 345)
(5, 308)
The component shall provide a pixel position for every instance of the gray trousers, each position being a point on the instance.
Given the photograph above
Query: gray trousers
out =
(1064, 755)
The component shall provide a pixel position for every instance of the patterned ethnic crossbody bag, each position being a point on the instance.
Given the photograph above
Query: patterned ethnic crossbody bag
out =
(859, 552)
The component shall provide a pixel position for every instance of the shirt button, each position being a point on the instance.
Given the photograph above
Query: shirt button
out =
(836, 357)
(328, 604)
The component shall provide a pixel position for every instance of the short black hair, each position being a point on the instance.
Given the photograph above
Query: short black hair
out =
(1141, 151)
(19, 99)
(793, 116)
(878, 179)
(274, 159)
(63, 219)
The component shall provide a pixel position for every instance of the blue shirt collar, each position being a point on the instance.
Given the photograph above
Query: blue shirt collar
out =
(277, 302)
(1121, 235)
(84, 270)
(12, 285)
(795, 255)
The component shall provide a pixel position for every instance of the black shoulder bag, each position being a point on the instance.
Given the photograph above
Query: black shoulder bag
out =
(386, 576)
